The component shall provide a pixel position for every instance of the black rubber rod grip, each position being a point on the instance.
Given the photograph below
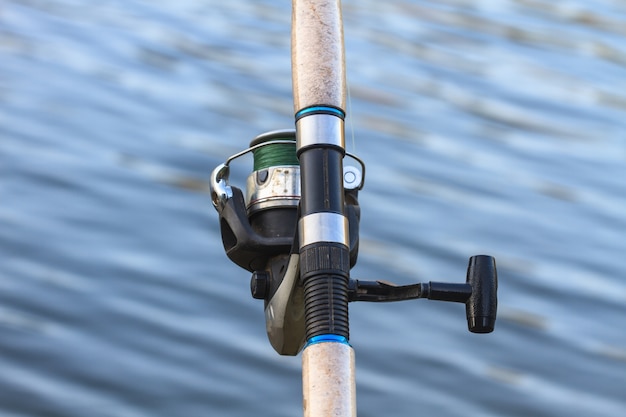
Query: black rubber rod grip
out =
(324, 270)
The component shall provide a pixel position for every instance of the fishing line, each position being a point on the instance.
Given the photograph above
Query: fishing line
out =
(349, 96)
(278, 154)
(350, 122)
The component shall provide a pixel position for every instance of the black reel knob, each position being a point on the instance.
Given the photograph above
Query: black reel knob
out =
(482, 305)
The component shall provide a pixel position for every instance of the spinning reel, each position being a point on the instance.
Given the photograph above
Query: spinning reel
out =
(260, 234)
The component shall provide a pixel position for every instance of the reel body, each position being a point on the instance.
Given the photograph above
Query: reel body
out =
(260, 231)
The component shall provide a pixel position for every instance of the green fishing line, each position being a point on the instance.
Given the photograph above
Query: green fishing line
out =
(274, 155)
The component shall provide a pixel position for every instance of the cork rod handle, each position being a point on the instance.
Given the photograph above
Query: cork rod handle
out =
(317, 54)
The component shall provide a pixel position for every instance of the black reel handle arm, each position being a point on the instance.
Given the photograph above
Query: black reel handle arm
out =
(478, 293)
(384, 291)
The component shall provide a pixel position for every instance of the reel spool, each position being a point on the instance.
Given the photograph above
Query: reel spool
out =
(273, 187)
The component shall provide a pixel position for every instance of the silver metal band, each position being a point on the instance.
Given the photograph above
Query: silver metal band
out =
(320, 129)
(324, 227)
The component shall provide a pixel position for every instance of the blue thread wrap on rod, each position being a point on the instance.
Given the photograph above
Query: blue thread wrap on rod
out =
(321, 110)
(323, 338)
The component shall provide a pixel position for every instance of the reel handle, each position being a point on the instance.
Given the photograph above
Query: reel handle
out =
(479, 293)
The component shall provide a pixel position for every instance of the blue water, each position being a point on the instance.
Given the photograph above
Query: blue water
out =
(486, 127)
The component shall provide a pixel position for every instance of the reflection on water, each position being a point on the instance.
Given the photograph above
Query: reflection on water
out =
(487, 127)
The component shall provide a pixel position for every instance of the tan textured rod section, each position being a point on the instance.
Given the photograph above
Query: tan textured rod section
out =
(317, 54)
(328, 380)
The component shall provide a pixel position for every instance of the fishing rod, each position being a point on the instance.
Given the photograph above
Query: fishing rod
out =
(297, 227)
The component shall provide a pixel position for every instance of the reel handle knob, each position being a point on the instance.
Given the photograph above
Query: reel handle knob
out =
(482, 305)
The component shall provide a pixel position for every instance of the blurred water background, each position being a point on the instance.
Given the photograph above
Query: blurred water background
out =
(486, 127)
